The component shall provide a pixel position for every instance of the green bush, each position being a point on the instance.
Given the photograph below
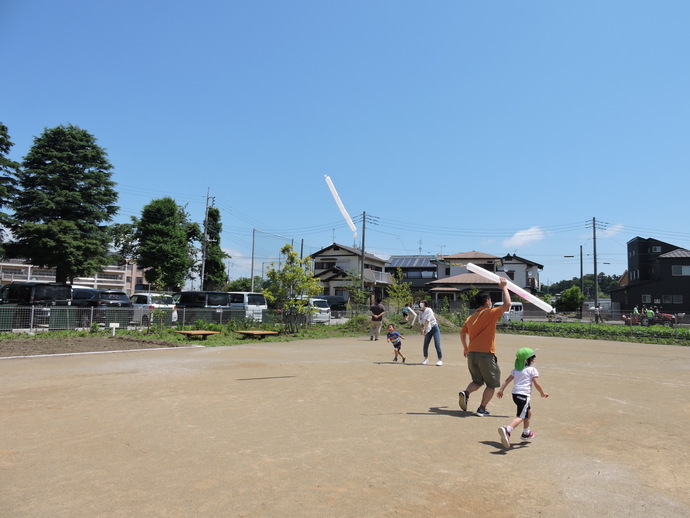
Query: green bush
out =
(620, 333)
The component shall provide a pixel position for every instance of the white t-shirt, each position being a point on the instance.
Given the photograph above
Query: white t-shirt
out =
(522, 380)
(427, 316)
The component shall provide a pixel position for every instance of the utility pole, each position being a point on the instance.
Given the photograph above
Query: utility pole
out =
(596, 278)
(205, 242)
(364, 227)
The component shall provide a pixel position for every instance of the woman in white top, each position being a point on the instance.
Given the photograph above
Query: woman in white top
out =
(430, 330)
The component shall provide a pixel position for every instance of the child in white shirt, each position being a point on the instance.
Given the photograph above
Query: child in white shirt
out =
(524, 376)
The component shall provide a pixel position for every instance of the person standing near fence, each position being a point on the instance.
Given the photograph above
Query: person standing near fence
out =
(377, 311)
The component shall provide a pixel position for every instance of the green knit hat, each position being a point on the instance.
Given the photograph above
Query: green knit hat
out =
(521, 356)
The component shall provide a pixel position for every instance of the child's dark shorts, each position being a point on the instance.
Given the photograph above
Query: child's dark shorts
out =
(522, 403)
(397, 344)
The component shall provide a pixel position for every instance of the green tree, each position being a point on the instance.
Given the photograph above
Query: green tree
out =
(245, 284)
(358, 298)
(214, 269)
(399, 293)
(66, 197)
(123, 240)
(165, 244)
(8, 180)
(288, 284)
(570, 300)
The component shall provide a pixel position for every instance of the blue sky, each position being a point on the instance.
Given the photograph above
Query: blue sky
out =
(502, 126)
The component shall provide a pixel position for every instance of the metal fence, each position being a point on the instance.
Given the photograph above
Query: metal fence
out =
(55, 318)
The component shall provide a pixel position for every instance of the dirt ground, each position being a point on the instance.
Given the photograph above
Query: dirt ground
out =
(335, 428)
(38, 346)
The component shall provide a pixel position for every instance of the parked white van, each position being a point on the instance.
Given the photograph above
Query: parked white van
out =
(254, 304)
(516, 313)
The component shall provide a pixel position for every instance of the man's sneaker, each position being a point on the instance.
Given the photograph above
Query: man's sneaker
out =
(527, 435)
(462, 396)
(505, 437)
(482, 412)
(371, 338)
(404, 358)
(425, 361)
(439, 363)
(395, 359)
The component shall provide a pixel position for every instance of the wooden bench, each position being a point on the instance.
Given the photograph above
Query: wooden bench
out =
(256, 334)
(198, 333)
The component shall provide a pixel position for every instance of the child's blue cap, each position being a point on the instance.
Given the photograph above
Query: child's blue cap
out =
(521, 356)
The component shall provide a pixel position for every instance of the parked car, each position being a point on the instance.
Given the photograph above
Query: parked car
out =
(144, 302)
(106, 306)
(337, 303)
(40, 296)
(209, 306)
(320, 311)
(253, 304)
(515, 314)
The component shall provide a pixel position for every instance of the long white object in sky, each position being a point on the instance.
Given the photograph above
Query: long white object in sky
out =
(347, 217)
(511, 286)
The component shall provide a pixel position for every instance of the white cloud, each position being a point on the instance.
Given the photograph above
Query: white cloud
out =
(612, 231)
(524, 238)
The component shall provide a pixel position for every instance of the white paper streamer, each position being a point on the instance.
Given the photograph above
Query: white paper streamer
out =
(511, 286)
(347, 217)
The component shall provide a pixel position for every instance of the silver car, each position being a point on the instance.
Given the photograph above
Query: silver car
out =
(144, 302)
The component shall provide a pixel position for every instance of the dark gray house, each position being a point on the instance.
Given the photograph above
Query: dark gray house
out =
(658, 275)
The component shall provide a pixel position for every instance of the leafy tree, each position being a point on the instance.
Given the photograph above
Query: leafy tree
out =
(244, 284)
(287, 284)
(570, 300)
(123, 240)
(165, 248)
(214, 269)
(606, 284)
(358, 298)
(399, 293)
(8, 179)
(65, 198)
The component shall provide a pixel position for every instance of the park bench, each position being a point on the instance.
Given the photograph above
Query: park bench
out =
(256, 334)
(198, 333)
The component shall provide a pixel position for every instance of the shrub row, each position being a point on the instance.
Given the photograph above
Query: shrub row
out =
(620, 333)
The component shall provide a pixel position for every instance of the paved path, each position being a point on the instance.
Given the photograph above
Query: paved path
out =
(334, 428)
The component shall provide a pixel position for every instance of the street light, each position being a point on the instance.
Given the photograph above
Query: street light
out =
(582, 289)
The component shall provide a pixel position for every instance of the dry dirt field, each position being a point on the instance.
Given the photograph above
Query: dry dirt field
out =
(335, 428)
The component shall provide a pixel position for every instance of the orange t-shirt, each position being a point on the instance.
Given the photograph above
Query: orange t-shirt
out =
(481, 328)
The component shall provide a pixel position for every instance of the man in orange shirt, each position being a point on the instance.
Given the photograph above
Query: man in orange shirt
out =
(481, 350)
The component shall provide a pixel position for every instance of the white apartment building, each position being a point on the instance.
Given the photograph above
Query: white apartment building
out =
(123, 278)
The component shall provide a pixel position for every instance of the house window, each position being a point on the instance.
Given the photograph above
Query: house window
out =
(646, 298)
(678, 299)
(656, 249)
(323, 265)
(448, 271)
(666, 299)
(680, 270)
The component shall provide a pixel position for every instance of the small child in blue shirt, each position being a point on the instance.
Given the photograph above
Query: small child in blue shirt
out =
(396, 339)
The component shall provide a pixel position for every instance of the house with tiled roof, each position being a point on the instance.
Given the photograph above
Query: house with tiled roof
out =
(417, 270)
(453, 277)
(333, 264)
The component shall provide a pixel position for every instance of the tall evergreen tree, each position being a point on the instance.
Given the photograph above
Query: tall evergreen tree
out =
(165, 248)
(8, 180)
(214, 269)
(66, 197)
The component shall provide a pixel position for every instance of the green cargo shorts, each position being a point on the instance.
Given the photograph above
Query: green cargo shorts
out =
(484, 369)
